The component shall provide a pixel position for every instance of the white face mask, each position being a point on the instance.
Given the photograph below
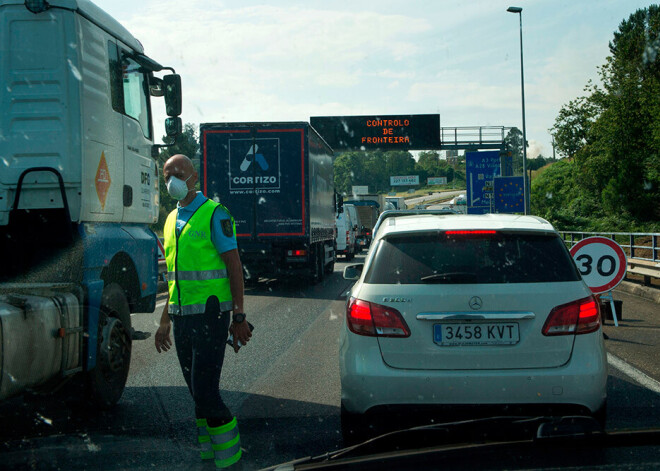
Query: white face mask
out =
(177, 188)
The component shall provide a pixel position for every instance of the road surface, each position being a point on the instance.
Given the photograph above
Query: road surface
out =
(412, 202)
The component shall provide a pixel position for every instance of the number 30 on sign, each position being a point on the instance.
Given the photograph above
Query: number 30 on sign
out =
(601, 262)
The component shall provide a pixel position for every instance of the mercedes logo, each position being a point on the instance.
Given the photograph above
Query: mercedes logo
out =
(475, 303)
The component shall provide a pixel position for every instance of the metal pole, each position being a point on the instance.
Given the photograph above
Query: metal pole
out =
(522, 88)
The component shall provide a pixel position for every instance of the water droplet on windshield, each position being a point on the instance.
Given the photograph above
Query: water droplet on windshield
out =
(74, 70)
(45, 420)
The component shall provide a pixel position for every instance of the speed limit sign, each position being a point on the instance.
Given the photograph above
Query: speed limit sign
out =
(601, 262)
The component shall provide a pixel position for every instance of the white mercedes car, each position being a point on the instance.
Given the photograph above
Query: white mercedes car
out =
(485, 311)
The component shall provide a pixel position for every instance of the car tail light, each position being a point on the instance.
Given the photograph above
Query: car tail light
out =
(348, 237)
(297, 253)
(471, 232)
(578, 317)
(374, 320)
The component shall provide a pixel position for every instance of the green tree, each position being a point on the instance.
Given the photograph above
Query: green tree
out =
(613, 133)
(349, 170)
(513, 142)
(428, 165)
(573, 125)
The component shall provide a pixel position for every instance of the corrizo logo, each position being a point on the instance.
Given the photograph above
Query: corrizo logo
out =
(254, 163)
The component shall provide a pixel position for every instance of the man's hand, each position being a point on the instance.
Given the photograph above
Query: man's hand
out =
(163, 341)
(241, 332)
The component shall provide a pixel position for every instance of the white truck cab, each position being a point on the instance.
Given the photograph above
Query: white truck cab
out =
(78, 189)
(75, 97)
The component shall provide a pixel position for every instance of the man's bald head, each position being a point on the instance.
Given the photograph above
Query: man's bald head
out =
(181, 167)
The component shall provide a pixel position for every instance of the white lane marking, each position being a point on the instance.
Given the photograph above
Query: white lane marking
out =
(632, 372)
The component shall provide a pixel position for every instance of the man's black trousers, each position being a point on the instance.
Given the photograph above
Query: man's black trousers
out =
(200, 345)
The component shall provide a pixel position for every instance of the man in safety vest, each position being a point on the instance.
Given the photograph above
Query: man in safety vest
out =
(205, 284)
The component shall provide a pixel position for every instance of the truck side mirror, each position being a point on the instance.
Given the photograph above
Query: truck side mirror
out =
(173, 127)
(172, 83)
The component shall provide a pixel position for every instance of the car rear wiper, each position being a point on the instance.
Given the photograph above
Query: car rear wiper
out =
(451, 277)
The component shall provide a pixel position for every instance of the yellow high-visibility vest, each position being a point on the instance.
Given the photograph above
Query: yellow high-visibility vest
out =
(195, 269)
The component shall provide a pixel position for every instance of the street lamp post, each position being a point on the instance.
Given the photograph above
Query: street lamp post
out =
(524, 128)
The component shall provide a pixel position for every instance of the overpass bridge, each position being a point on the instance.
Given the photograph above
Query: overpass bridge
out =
(473, 137)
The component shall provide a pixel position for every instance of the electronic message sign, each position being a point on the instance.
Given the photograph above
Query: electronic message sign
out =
(387, 132)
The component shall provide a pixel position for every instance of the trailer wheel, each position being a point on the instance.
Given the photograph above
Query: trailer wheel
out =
(113, 349)
(330, 267)
(316, 264)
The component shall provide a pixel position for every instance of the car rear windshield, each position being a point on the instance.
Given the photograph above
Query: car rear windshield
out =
(471, 258)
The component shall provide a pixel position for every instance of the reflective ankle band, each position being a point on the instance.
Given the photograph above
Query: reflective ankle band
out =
(226, 444)
(201, 427)
(204, 439)
(226, 458)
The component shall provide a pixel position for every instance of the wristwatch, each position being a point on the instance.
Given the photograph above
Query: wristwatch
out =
(238, 317)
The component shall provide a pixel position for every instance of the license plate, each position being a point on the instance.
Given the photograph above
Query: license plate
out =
(476, 334)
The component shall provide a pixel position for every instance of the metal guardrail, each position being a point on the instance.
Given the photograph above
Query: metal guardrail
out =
(641, 248)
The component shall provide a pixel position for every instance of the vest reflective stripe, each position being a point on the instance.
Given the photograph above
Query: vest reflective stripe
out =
(226, 443)
(204, 439)
(197, 275)
(195, 308)
(191, 258)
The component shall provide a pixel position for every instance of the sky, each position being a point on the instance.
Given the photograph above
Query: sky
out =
(273, 60)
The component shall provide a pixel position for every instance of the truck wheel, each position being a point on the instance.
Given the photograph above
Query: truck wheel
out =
(330, 267)
(316, 263)
(113, 349)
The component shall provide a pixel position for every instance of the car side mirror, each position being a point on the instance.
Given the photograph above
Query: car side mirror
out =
(353, 272)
